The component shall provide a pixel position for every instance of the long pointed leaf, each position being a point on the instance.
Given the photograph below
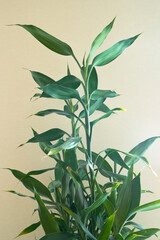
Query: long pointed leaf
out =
(30, 183)
(48, 40)
(47, 220)
(105, 232)
(113, 52)
(29, 229)
(139, 150)
(100, 39)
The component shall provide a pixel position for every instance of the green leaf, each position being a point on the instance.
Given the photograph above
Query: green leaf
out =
(135, 225)
(48, 40)
(105, 115)
(145, 207)
(135, 193)
(93, 80)
(30, 183)
(123, 201)
(105, 232)
(113, 52)
(37, 172)
(29, 229)
(70, 158)
(103, 94)
(59, 236)
(41, 79)
(143, 234)
(115, 157)
(69, 81)
(57, 91)
(47, 220)
(68, 144)
(139, 150)
(94, 205)
(50, 135)
(93, 107)
(78, 220)
(100, 39)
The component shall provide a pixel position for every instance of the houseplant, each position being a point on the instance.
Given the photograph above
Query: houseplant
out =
(75, 205)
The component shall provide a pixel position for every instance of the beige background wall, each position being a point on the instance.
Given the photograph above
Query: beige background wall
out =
(135, 75)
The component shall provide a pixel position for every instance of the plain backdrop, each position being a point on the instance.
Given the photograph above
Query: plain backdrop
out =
(135, 75)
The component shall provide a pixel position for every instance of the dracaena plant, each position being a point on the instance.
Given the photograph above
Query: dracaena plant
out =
(76, 205)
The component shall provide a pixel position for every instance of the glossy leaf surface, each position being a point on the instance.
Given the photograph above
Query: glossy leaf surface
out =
(113, 52)
(48, 40)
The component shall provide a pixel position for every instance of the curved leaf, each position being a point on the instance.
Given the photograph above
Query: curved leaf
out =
(103, 94)
(48, 40)
(143, 234)
(70, 143)
(113, 52)
(50, 135)
(93, 80)
(139, 150)
(30, 183)
(41, 79)
(105, 232)
(29, 229)
(69, 81)
(47, 220)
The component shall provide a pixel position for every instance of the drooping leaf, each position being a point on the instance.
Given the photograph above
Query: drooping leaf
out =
(29, 229)
(30, 183)
(115, 157)
(41, 79)
(139, 150)
(113, 52)
(60, 92)
(135, 225)
(37, 172)
(143, 234)
(59, 236)
(103, 94)
(100, 39)
(46, 218)
(50, 135)
(48, 40)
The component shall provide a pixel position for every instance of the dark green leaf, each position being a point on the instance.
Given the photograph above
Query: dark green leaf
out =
(100, 39)
(41, 79)
(30, 183)
(70, 158)
(59, 236)
(50, 135)
(69, 81)
(115, 156)
(60, 92)
(113, 52)
(29, 229)
(47, 220)
(139, 150)
(78, 220)
(93, 80)
(48, 40)
(37, 172)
